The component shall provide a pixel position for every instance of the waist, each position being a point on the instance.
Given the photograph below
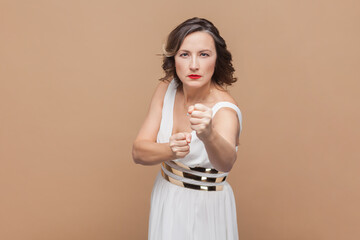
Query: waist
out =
(197, 178)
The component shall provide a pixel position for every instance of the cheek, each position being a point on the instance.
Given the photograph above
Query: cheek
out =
(179, 66)
(210, 65)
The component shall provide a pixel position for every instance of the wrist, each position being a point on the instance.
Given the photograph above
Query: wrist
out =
(208, 137)
(172, 155)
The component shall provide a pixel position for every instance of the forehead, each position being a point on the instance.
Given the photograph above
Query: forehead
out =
(198, 41)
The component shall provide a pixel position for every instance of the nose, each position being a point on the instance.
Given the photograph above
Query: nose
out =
(194, 63)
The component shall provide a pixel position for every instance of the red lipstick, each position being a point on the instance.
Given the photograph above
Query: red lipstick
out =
(194, 76)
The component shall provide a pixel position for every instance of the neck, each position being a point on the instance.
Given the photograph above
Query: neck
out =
(196, 95)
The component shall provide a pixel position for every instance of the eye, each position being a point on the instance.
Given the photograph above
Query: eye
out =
(184, 54)
(204, 55)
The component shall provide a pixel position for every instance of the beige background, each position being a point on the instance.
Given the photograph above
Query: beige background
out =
(76, 78)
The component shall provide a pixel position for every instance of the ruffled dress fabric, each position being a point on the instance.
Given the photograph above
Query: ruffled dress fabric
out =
(179, 213)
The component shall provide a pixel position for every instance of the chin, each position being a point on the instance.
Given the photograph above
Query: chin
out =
(194, 82)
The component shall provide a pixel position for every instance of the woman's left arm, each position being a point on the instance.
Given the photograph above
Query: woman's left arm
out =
(219, 134)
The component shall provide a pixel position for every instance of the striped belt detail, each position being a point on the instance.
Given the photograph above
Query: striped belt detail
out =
(197, 178)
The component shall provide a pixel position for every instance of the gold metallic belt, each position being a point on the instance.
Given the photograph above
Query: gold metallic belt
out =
(198, 178)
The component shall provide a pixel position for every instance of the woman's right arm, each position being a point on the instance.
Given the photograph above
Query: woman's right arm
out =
(146, 150)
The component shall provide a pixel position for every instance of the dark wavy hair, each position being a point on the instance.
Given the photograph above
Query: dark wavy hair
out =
(223, 73)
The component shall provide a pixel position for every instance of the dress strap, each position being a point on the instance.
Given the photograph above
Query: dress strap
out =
(220, 105)
(168, 108)
(169, 98)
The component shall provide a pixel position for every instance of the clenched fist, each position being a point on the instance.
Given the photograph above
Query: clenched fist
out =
(179, 144)
(201, 120)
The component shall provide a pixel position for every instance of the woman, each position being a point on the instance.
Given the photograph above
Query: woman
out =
(192, 130)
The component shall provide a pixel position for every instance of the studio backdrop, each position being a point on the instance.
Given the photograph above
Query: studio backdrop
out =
(76, 79)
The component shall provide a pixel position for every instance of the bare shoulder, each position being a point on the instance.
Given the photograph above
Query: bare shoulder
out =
(225, 114)
(151, 124)
(226, 120)
(160, 91)
(223, 95)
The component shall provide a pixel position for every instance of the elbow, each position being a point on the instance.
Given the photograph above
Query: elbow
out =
(138, 155)
(227, 168)
(224, 169)
(137, 159)
(229, 165)
(232, 162)
(135, 155)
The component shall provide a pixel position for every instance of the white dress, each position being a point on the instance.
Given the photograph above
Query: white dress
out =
(189, 214)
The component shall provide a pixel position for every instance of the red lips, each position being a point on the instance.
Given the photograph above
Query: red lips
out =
(194, 76)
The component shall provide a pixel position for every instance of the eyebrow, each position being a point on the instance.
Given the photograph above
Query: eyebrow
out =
(204, 50)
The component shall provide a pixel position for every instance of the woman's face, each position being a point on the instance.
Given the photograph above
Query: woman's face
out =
(195, 60)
